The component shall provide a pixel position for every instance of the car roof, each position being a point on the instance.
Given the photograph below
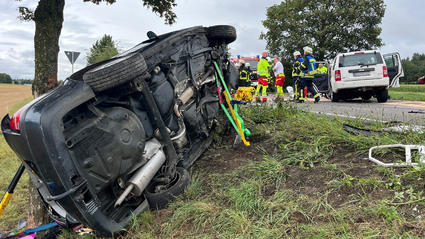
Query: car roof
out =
(354, 52)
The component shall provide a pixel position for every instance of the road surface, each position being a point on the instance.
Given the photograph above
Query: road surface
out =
(411, 112)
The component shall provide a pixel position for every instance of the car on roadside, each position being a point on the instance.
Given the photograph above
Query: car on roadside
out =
(421, 80)
(364, 74)
(118, 136)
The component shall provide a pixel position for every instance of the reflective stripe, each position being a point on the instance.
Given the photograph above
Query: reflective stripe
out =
(243, 75)
(263, 68)
(312, 69)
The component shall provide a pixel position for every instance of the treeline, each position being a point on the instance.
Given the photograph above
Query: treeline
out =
(6, 79)
(413, 68)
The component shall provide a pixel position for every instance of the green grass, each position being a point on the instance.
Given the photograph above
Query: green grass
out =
(302, 177)
(9, 164)
(408, 92)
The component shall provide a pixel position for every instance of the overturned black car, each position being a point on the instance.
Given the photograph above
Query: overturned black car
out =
(117, 137)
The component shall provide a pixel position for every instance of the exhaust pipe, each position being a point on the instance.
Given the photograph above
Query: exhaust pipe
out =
(142, 177)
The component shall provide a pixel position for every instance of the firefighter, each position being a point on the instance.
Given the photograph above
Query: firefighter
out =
(280, 77)
(243, 74)
(249, 71)
(263, 77)
(296, 73)
(308, 68)
(322, 69)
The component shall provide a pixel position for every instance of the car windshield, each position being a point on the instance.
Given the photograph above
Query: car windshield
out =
(253, 64)
(360, 59)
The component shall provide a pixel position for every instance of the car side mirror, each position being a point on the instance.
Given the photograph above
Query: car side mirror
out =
(151, 35)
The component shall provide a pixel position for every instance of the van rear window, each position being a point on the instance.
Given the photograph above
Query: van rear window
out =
(360, 59)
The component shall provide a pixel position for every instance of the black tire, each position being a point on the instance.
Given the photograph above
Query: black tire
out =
(334, 96)
(115, 72)
(382, 95)
(221, 34)
(160, 200)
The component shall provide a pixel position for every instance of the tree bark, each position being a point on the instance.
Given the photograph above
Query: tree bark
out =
(48, 18)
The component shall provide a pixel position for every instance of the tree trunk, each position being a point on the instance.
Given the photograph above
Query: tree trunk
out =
(48, 18)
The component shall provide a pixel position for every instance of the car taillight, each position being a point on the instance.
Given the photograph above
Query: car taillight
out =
(337, 75)
(385, 71)
(14, 122)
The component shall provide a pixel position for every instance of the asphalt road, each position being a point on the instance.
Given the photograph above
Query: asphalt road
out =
(411, 112)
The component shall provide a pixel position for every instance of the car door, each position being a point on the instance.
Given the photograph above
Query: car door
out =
(395, 68)
(321, 81)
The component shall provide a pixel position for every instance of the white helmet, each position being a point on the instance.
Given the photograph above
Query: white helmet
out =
(242, 61)
(308, 49)
(297, 53)
(247, 65)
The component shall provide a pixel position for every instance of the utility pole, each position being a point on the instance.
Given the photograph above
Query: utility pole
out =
(72, 57)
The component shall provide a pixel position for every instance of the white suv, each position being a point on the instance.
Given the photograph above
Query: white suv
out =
(364, 74)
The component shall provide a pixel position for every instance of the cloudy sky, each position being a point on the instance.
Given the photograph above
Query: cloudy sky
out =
(128, 21)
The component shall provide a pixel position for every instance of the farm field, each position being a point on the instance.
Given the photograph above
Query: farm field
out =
(10, 95)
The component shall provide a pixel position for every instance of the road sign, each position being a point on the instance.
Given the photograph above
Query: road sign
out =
(72, 57)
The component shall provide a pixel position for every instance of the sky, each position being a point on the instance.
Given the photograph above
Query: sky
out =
(127, 21)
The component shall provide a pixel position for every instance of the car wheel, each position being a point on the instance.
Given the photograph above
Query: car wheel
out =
(334, 96)
(382, 95)
(159, 198)
(221, 33)
(115, 72)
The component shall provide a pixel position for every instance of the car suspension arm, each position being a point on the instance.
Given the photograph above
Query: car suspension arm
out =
(171, 161)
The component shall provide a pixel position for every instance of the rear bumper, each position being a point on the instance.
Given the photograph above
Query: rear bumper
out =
(360, 84)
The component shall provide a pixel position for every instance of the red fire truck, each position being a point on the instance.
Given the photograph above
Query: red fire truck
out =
(253, 65)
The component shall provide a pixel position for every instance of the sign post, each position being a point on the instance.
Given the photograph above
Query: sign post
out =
(72, 57)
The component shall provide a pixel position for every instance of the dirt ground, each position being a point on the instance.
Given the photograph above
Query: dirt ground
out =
(11, 95)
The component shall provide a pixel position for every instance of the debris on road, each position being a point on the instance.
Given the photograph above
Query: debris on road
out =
(416, 112)
(405, 128)
(408, 154)
(357, 131)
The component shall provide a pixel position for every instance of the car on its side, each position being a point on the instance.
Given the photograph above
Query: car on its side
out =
(364, 74)
(118, 136)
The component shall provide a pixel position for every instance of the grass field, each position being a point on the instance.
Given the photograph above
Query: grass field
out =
(303, 177)
(408, 92)
(9, 164)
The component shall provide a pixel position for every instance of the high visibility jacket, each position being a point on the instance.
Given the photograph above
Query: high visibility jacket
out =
(308, 67)
(322, 70)
(296, 67)
(263, 68)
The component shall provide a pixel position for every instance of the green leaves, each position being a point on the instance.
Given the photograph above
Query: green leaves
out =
(329, 26)
(102, 49)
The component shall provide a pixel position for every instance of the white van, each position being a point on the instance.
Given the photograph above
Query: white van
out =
(364, 74)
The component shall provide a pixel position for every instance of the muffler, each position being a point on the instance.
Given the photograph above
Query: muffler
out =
(142, 177)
